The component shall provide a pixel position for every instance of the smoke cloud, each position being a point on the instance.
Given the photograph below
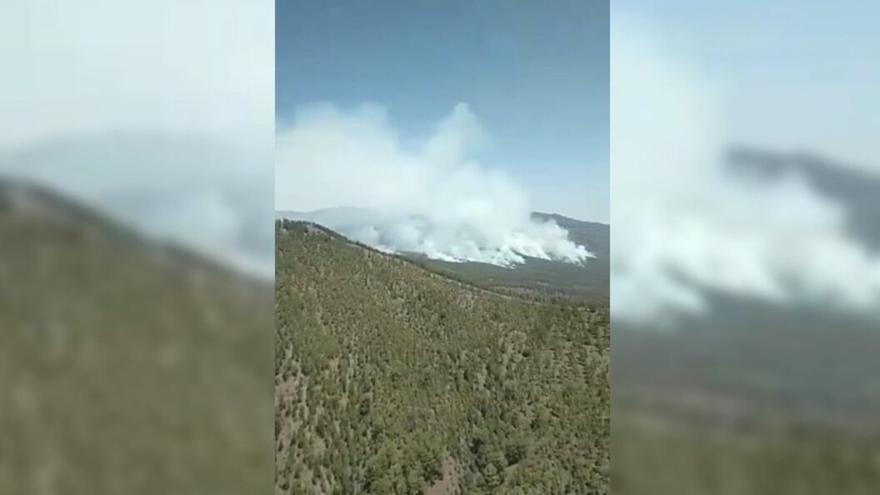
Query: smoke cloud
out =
(684, 223)
(150, 112)
(427, 195)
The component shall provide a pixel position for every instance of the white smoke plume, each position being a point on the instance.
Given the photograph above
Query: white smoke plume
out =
(149, 112)
(684, 223)
(427, 196)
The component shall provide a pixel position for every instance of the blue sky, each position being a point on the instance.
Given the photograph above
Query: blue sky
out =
(535, 73)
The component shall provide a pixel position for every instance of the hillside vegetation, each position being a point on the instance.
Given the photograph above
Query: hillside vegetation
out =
(126, 366)
(667, 456)
(536, 278)
(733, 405)
(394, 379)
(546, 279)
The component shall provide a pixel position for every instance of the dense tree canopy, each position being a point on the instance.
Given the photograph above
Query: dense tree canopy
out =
(391, 379)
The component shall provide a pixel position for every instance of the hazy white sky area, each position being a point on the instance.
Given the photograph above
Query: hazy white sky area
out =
(161, 113)
(793, 74)
(681, 221)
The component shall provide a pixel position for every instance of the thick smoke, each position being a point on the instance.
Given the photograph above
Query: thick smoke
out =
(684, 223)
(159, 118)
(425, 196)
(204, 194)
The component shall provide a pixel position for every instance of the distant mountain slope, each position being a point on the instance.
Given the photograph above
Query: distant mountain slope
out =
(126, 366)
(755, 396)
(536, 277)
(764, 398)
(858, 191)
(764, 354)
(394, 379)
(543, 278)
(594, 235)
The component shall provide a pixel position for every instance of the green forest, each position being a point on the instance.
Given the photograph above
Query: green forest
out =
(390, 378)
(126, 366)
(662, 456)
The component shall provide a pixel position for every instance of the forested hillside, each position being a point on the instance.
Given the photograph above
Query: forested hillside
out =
(536, 278)
(126, 365)
(394, 379)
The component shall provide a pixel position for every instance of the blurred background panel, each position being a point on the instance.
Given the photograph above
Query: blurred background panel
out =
(746, 248)
(136, 152)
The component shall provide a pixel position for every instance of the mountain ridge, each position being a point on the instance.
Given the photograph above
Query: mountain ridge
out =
(534, 278)
(124, 358)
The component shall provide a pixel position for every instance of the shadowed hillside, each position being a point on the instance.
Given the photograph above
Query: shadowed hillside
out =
(394, 379)
(126, 366)
(536, 278)
(544, 278)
